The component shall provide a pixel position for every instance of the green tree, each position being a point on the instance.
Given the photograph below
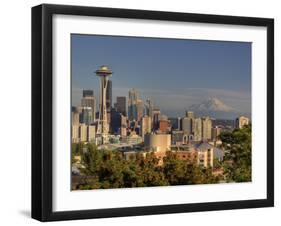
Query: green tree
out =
(175, 170)
(109, 169)
(238, 158)
(183, 172)
(76, 149)
(151, 172)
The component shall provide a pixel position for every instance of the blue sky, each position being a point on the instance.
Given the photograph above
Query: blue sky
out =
(174, 73)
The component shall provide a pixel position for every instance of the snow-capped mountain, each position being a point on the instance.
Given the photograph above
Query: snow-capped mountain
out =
(211, 104)
(213, 107)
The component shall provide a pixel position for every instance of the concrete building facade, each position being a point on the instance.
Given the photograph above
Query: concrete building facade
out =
(157, 142)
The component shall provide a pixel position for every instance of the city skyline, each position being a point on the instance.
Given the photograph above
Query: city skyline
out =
(225, 76)
(137, 119)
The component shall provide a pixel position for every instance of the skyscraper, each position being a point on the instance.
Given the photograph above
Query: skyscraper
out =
(132, 104)
(74, 117)
(206, 128)
(75, 134)
(179, 123)
(89, 100)
(140, 109)
(216, 131)
(187, 123)
(123, 129)
(149, 108)
(156, 116)
(174, 123)
(121, 105)
(197, 129)
(87, 115)
(145, 125)
(118, 124)
(83, 133)
(88, 93)
(74, 125)
(91, 133)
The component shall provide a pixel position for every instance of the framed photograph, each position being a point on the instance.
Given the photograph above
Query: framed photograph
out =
(145, 112)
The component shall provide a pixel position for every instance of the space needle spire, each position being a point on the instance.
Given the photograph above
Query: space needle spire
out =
(103, 126)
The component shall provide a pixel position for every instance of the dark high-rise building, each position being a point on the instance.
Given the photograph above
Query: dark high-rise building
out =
(121, 105)
(156, 117)
(118, 123)
(109, 96)
(88, 93)
(132, 104)
(149, 108)
(175, 123)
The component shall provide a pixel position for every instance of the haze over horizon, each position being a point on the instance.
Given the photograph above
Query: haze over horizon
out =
(175, 74)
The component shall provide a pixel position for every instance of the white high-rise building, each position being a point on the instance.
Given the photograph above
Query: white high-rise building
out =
(83, 133)
(206, 128)
(75, 134)
(197, 129)
(187, 123)
(91, 133)
(241, 122)
(75, 117)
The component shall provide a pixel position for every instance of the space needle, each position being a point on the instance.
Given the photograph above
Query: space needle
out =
(103, 127)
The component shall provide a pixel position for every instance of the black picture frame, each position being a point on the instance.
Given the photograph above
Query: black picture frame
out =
(42, 111)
